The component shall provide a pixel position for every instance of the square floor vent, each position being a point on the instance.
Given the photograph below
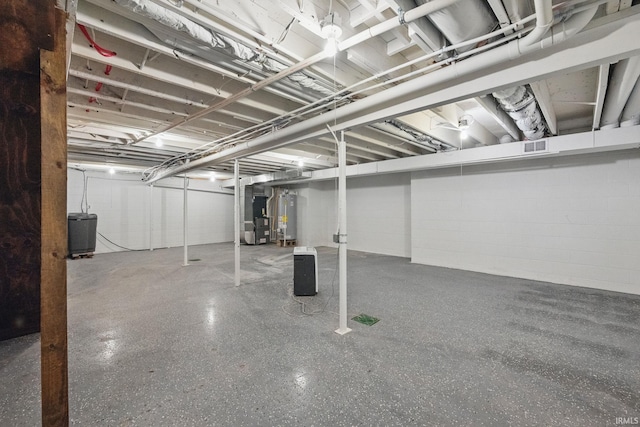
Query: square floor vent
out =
(537, 146)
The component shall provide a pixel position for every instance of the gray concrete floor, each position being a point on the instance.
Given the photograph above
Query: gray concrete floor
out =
(153, 343)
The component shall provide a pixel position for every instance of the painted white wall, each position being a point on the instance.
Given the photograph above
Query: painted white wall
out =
(571, 220)
(378, 214)
(124, 206)
(316, 213)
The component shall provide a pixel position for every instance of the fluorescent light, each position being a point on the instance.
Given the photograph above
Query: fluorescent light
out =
(112, 171)
(300, 163)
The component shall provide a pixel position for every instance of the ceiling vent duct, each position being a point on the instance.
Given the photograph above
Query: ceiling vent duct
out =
(454, 23)
(522, 107)
(538, 146)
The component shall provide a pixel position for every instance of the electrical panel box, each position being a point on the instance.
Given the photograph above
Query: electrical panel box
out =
(305, 271)
(82, 233)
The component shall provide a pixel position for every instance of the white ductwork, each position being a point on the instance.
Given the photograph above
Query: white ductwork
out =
(519, 102)
(316, 126)
(522, 107)
(544, 21)
(449, 21)
(623, 78)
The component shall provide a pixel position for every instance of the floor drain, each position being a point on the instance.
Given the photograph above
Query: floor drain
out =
(365, 319)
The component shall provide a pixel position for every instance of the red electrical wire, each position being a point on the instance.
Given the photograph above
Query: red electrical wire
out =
(102, 51)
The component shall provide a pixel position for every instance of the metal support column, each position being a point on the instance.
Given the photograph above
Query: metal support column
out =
(185, 222)
(151, 217)
(236, 178)
(342, 233)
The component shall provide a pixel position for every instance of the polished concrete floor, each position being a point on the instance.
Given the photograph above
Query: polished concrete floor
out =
(152, 343)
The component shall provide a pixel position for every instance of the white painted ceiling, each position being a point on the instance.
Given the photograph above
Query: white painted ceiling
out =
(176, 58)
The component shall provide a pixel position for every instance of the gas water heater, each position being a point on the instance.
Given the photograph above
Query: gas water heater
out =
(287, 217)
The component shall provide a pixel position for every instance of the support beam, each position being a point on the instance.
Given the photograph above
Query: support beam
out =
(33, 222)
(342, 233)
(603, 83)
(541, 92)
(185, 222)
(53, 229)
(623, 138)
(236, 219)
(151, 217)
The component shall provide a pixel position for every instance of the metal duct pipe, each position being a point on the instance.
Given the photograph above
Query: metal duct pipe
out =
(522, 107)
(448, 21)
(315, 126)
(624, 77)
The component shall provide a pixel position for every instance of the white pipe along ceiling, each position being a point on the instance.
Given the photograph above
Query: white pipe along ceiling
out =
(163, 87)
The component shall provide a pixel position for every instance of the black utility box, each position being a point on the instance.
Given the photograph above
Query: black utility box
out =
(82, 233)
(305, 271)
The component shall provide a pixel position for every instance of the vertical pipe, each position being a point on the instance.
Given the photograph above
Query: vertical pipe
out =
(342, 233)
(185, 222)
(151, 217)
(285, 220)
(236, 178)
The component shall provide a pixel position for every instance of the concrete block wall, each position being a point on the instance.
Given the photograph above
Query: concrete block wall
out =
(316, 213)
(132, 215)
(378, 214)
(571, 220)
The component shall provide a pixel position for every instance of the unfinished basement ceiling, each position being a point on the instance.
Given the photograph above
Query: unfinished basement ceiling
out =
(169, 86)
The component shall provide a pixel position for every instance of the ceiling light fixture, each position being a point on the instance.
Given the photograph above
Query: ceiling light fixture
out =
(331, 31)
(212, 178)
(112, 171)
(464, 134)
(464, 122)
(300, 163)
(159, 142)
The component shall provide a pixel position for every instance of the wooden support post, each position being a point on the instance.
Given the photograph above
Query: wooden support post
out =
(33, 189)
(53, 267)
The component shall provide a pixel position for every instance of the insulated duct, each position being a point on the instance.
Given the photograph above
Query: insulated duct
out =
(210, 45)
(518, 102)
(522, 107)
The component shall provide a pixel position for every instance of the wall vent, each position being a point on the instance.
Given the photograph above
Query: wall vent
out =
(537, 146)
